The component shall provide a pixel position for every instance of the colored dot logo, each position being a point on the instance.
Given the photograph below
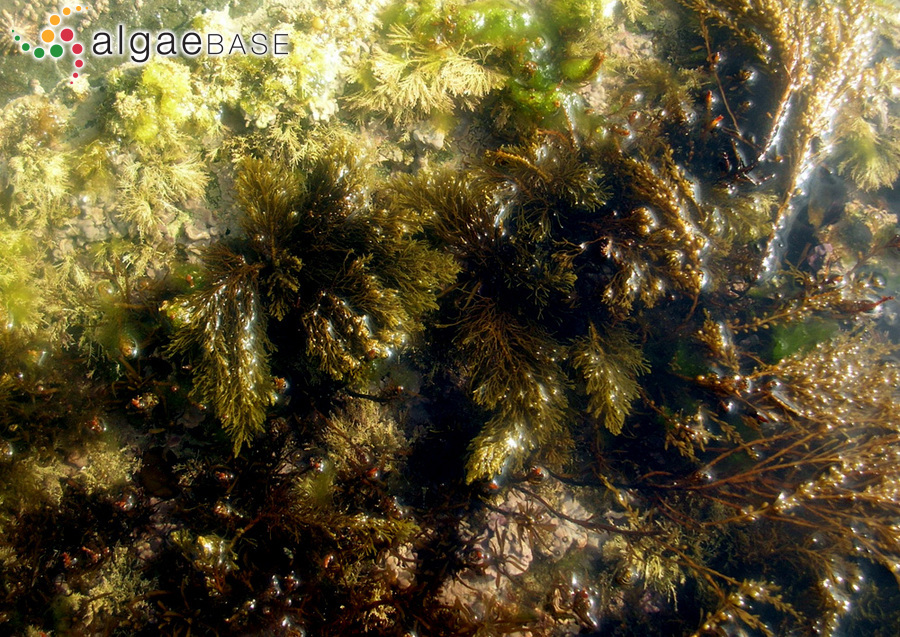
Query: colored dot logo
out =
(55, 40)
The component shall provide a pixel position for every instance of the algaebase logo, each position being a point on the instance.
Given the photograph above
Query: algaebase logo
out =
(55, 38)
(140, 45)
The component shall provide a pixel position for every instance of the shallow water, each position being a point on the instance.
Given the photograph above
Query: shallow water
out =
(469, 319)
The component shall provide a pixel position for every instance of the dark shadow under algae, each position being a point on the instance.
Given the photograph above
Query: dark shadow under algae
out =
(462, 318)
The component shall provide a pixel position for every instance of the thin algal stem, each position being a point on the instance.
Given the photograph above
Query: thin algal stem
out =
(587, 524)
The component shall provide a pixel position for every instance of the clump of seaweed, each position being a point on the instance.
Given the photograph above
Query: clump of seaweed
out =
(808, 457)
(524, 63)
(226, 321)
(338, 271)
(867, 132)
(34, 174)
(412, 78)
(334, 520)
(158, 105)
(610, 366)
(156, 112)
(305, 68)
(538, 238)
(21, 264)
(813, 54)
